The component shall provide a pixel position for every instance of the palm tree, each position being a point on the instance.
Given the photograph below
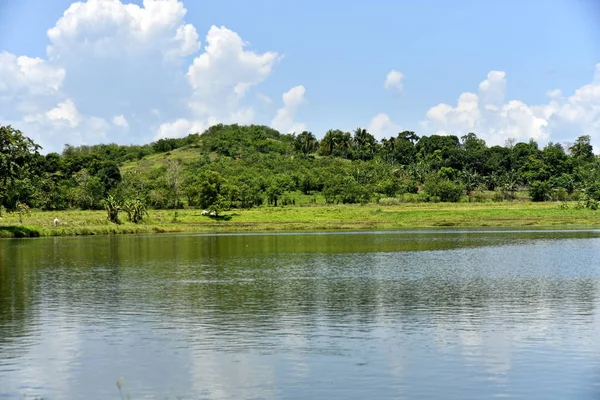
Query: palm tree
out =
(364, 143)
(306, 143)
(328, 143)
(389, 149)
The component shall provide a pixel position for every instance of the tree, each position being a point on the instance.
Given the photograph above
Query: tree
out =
(582, 149)
(274, 192)
(89, 190)
(210, 188)
(539, 191)
(388, 149)
(445, 189)
(470, 180)
(336, 143)
(135, 209)
(364, 144)
(509, 184)
(306, 143)
(174, 181)
(112, 206)
(328, 143)
(109, 175)
(409, 136)
(16, 152)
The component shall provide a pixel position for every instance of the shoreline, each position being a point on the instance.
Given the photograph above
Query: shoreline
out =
(330, 218)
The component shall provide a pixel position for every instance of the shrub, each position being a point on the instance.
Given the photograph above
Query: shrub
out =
(560, 194)
(446, 190)
(539, 191)
(22, 209)
(135, 209)
(112, 207)
(388, 187)
(409, 186)
(478, 197)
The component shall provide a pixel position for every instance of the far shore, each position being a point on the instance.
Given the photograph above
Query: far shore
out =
(315, 218)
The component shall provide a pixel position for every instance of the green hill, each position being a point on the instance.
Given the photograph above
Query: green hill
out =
(241, 167)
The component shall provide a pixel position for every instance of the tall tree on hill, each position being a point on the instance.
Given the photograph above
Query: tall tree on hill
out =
(306, 143)
(174, 180)
(365, 145)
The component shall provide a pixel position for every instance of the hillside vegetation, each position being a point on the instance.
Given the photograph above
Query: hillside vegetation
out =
(232, 167)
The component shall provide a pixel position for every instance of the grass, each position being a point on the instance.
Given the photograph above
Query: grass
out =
(308, 218)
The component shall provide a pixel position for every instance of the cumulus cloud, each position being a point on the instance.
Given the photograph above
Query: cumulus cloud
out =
(120, 120)
(394, 81)
(494, 119)
(382, 126)
(65, 113)
(111, 29)
(221, 76)
(178, 128)
(121, 72)
(284, 120)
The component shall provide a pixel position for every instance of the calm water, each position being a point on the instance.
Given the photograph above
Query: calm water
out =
(439, 314)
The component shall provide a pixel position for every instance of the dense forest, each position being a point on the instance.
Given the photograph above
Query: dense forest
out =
(233, 166)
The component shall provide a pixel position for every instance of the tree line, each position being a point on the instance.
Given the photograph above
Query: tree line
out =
(234, 166)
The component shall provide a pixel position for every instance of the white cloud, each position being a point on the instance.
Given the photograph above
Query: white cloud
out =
(284, 120)
(31, 74)
(394, 81)
(493, 89)
(64, 112)
(110, 29)
(222, 75)
(178, 128)
(120, 120)
(492, 118)
(127, 64)
(382, 126)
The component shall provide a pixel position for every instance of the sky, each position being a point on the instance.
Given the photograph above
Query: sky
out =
(132, 72)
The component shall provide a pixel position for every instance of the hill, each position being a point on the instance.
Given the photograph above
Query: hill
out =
(241, 167)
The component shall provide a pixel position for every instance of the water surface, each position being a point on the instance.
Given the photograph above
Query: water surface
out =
(423, 314)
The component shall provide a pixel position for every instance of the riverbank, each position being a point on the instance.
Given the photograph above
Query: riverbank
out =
(316, 218)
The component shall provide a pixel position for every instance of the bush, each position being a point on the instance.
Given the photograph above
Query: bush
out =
(560, 194)
(287, 200)
(409, 186)
(135, 209)
(388, 187)
(478, 197)
(498, 196)
(444, 189)
(112, 207)
(539, 191)
(592, 191)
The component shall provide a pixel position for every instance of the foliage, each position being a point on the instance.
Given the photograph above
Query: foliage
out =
(243, 167)
(22, 209)
(539, 191)
(17, 152)
(444, 189)
(135, 209)
(112, 207)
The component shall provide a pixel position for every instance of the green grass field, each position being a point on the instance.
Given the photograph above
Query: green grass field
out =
(308, 218)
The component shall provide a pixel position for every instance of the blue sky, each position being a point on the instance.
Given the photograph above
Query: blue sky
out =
(108, 79)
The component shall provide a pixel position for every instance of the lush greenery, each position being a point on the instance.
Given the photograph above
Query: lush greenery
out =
(229, 168)
(320, 218)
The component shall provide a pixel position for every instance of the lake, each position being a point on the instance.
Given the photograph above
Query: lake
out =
(380, 315)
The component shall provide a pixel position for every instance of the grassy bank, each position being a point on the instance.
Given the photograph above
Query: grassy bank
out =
(317, 218)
